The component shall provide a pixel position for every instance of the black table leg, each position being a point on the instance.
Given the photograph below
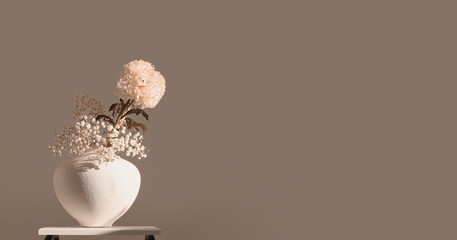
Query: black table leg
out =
(52, 237)
(147, 237)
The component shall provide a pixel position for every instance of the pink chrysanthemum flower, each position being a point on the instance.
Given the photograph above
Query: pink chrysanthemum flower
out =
(139, 81)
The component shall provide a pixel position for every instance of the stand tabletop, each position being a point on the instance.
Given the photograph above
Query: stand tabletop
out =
(115, 230)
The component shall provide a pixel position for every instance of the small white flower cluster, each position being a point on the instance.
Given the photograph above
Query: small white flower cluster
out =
(84, 105)
(123, 140)
(89, 134)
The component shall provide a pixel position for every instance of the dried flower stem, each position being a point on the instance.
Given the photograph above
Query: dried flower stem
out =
(121, 117)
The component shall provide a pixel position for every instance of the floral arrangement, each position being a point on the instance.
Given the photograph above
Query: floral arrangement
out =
(140, 86)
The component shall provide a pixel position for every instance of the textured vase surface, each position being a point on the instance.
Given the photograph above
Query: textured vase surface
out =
(96, 195)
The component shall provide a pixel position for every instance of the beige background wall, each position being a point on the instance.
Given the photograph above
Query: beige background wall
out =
(319, 120)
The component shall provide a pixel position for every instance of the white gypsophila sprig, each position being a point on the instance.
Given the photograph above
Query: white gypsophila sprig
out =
(85, 105)
(94, 135)
(89, 134)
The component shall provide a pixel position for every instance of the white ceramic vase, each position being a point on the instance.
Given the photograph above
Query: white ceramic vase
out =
(96, 195)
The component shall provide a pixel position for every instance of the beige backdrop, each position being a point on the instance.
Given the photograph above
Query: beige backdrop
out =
(330, 120)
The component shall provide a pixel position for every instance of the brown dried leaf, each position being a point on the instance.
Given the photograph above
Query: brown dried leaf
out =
(116, 107)
(137, 111)
(105, 118)
(128, 120)
(133, 124)
(143, 127)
